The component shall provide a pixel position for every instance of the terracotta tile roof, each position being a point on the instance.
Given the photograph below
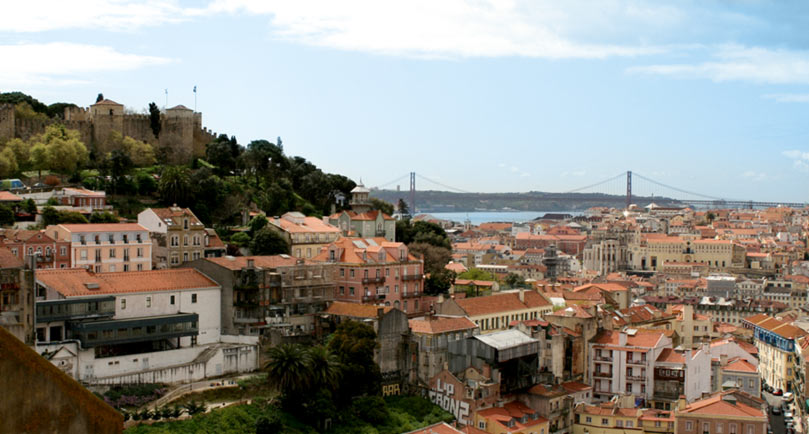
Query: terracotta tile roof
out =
(72, 282)
(351, 251)
(642, 338)
(740, 365)
(571, 311)
(102, 227)
(575, 386)
(609, 287)
(107, 102)
(7, 196)
(457, 267)
(8, 260)
(669, 355)
(370, 215)
(465, 282)
(355, 310)
(503, 302)
(716, 406)
(657, 415)
(83, 192)
(238, 262)
(175, 213)
(750, 348)
(308, 224)
(512, 411)
(213, 239)
(440, 324)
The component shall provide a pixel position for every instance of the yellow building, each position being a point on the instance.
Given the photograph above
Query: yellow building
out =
(512, 418)
(620, 417)
(777, 350)
(305, 235)
(654, 250)
(495, 312)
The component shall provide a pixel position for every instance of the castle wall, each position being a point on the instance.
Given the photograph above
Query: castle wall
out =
(181, 130)
(6, 122)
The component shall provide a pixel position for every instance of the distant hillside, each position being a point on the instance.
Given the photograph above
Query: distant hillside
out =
(445, 201)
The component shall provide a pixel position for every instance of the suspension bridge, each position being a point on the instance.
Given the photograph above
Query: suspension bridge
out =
(627, 185)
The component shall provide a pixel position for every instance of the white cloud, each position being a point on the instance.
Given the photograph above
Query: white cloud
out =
(45, 15)
(788, 97)
(755, 176)
(34, 63)
(456, 28)
(800, 159)
(741, 63)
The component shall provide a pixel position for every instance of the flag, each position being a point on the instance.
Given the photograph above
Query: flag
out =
(195, 89)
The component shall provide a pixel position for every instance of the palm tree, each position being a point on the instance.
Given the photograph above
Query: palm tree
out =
(324, 367)
(287, 369)
(175, 185)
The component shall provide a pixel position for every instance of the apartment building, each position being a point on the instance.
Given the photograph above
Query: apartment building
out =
(511, 418)
(362, 221)
(496, 312)
(432, 336)
(263, 294)
(25, 244)
(178, 236)
(623, 362)
(136, 327)
(609, 418)
(376, 271)
(776, 344)
(681, 373)
(81, 198)
(723, 412)
(105, 247)
(16, 297)
(305, 235)
(652, 251)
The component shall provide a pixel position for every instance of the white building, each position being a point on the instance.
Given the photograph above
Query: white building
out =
(623, 362)
(136, 327)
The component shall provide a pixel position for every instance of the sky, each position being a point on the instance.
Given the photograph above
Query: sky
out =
(479, 95)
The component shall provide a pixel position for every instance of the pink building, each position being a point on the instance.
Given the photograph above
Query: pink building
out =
(376, 271)
(106, 247)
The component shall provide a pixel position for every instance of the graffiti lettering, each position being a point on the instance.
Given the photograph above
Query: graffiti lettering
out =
(442, 396)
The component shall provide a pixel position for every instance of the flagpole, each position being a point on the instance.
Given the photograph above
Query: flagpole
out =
(167, 100)
(195, 99)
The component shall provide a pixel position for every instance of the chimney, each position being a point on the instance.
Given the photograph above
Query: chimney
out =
(251, 263)
(723, 359)
(622, 338)
(522, 295)
(681, 403)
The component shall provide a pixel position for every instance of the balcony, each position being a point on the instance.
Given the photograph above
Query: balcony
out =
(380, 296)
(673, 396)
(111, 332)
(380, 233)
(368, 298)
(75, 309)
(367, 280)
(636, 362)
(603, 374)
(603, 358)
(407, 277)
(636, 377)
(410, 294)
(602, 390)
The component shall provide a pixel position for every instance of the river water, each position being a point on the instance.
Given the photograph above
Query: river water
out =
(479, 217)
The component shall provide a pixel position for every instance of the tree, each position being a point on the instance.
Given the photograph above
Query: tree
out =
(100, 97)
(287, 370)
(268, 242)
(118, 165)
(175, 185)
(103, 217)
(59, 149)
(22, 152)
(146, 183)
(476, 274)
(154, 119)
(381, 205)
(435, 258)
(354, 343)
(422, 232)
(8, 163)
(325, 369)
(223, 152)
(514, 280)
(439, 282)
(140, 153)
(6, 215)
(257, 223)
(269, 425)
(403, 209)
(30, 206)
(240, 239)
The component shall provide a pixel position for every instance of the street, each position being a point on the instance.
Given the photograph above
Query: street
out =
(776, 421)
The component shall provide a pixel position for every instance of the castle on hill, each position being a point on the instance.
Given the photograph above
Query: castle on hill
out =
(181, 137)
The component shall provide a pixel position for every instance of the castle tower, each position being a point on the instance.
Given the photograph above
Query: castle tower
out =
(6, 122)
(107, 116)
(177, 133)
(360, 202)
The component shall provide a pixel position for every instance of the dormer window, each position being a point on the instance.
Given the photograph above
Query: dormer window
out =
(185, 223)
(97, 239)
(331, 255)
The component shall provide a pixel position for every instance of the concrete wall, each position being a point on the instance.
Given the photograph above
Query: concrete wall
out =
(39, 398)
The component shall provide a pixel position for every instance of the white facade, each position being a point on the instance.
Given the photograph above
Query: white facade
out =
(151, 221)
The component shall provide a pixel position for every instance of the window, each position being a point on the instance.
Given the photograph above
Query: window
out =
(750, 429)
(342, 290)
(185, 240)
(351, 290)
(689, 426)
(482, 424)
(175, 240)
(123, 304)
(112, 253)
(619, 423)
(629, 424)
(83, 254)
(185, 256)
(719, 428)
(706, 428)
(185, 223)
(589, 419)
(148, 301)
(112, 268)
(604, 421)
(126, 267)
(140, 267)
(732, 428)
(193, 298)
(351, 272)
(171, 300)
(342, 270)
(140, 252)
(175, 259)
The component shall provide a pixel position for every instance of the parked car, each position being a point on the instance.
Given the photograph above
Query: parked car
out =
(776, 410)
(778, 392)
(787, 415)
(788, 396)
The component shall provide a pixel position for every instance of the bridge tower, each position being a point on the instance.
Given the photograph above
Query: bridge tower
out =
(628, 188)
(413, 193)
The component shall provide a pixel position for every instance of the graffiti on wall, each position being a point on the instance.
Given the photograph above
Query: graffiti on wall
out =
(443, 394)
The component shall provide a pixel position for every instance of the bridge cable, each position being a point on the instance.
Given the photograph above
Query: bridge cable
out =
(391, 182)
(596, 184)
(704, 196)
(442, 185)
